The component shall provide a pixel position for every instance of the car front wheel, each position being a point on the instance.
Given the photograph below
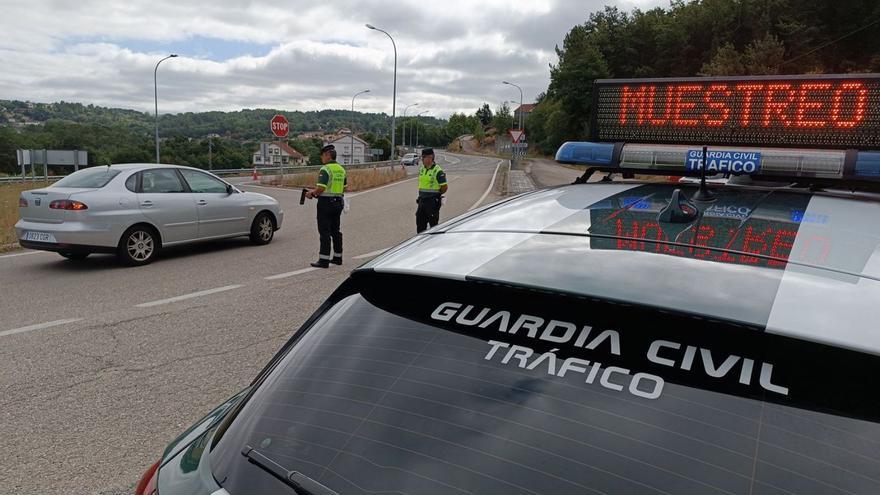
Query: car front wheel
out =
(138, 246)
(263, 229)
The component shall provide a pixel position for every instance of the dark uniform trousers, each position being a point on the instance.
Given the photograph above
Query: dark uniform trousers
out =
(428, 212)
(329, 213)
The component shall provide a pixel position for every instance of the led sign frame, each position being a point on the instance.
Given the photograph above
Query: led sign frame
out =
(815, 111)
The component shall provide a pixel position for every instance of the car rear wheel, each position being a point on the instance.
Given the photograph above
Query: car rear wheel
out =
(138, 246)
(263, 229)
(75, 256)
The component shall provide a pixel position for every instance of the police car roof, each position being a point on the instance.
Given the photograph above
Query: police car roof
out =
(795, 263)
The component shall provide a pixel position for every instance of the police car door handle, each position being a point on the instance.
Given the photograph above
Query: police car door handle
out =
(201, 202)
(146, 204)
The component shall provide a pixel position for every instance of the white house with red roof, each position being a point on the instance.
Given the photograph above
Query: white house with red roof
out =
(278, 153)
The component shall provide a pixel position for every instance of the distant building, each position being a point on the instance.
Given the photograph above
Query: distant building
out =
(344, 153)
(525, 109)
(278, 153)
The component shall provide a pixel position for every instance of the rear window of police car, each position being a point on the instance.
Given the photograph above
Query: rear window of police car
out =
(489, 389)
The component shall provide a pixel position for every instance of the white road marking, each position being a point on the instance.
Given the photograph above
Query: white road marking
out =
(449, 159)
(370, 254)
(488, 189)
(351, 195)
(291, 274)
(187, 296)
(38, 326)
(380, 187)
(28, 253)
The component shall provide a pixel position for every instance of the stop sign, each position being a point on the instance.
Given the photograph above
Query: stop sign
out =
(279, 126)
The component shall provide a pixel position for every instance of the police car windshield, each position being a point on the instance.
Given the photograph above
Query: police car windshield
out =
(494, 390)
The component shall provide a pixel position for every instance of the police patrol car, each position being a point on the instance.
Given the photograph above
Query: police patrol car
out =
(601, 337)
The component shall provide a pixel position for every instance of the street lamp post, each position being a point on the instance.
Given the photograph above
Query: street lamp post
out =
(393, 93)
(520, 102)
(156, 99)
(352, 123)
(404, 122)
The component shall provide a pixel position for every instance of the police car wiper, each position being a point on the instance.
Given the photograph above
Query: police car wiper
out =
(301, 484)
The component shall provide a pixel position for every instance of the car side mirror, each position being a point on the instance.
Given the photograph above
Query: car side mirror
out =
(229, 189)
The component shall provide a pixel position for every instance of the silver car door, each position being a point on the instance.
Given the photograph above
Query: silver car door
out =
(220, 213)
(165, 201)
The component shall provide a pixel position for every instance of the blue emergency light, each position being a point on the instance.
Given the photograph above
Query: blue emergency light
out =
(687, 160)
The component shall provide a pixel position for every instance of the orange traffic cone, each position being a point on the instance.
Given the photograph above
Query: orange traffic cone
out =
(256, 176)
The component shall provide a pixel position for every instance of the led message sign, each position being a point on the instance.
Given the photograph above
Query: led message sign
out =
(835, 111)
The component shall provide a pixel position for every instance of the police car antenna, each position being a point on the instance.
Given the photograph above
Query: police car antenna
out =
(703, 193)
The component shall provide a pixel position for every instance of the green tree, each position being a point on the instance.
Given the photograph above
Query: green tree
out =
(478, 132)
(484, 114)
(503, 120)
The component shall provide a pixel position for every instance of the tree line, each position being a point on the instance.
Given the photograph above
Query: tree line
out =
(700, 38)
(112, 135)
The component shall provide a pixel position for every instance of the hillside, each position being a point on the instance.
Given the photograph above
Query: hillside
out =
(247, 124)
(114, 135)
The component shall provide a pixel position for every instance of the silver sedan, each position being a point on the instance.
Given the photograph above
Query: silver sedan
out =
(133, 210)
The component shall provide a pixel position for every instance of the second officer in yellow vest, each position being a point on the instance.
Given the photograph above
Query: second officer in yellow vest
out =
(330, 191)
(432, 187)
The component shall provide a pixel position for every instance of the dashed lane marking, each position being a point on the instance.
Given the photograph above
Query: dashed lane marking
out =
(370, 254)
(39, 326)
(28, 253)
(291, 274)
(187, 296)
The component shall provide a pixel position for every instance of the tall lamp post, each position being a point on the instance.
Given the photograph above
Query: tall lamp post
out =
(352, 123)
(156, 99)
(520, 102)
(393, 93)
(404, 122)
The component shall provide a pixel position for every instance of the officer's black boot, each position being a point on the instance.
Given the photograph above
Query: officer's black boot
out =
(336, 260)
(321, 264)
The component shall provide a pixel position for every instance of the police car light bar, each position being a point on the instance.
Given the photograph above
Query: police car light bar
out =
(686, 160)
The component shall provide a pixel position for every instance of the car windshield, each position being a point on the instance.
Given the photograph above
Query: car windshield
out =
(95, 177)
(473, 388)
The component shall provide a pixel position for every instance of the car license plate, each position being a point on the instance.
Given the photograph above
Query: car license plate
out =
(39, 237)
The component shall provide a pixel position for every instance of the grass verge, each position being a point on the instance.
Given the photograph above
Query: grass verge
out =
(358, 179)
(9, 212)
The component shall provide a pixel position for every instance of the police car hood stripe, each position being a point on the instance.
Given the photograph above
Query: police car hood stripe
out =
(826, 293)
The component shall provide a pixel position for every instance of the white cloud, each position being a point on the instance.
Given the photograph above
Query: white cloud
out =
(452, 55)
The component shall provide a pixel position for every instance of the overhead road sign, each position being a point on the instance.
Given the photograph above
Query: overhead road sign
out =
(812, 111)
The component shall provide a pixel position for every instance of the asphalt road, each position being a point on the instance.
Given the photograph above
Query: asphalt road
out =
(101, 366)
(546, 173)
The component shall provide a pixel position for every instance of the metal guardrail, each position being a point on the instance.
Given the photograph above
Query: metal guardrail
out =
(225, 171)
(294, 170)
(41, 178)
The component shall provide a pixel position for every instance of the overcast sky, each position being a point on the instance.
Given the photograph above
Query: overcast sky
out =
(287, 54)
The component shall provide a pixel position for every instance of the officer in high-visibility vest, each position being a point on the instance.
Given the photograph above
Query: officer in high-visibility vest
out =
(432, 187)
(330, 191)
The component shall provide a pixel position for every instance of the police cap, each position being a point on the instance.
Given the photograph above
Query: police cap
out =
(428, 151)
(327, 148)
